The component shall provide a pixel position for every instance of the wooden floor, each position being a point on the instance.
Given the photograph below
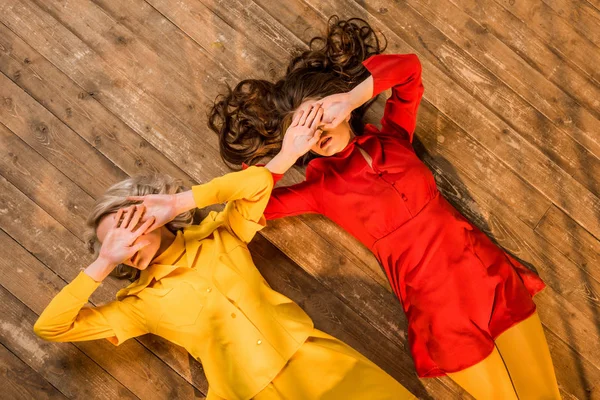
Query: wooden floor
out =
(92, 91)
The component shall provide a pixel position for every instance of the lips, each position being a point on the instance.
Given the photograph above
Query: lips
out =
(325, 142)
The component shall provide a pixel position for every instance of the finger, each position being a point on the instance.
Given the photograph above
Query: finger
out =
(304, 116)
(118, 218)
(297, 118)
(138, 246)
(137, 215)
(144, 228)
(312, 114)
(335, 122)
(316, 137)
(127, 217)
(317, 120)
(154, 226)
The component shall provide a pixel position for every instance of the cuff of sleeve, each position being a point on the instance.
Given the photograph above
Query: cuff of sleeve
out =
(243, 228)
(276, 177)
(82, 287)
(380, 66)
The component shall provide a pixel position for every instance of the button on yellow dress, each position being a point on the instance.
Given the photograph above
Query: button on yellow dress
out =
(204, 293)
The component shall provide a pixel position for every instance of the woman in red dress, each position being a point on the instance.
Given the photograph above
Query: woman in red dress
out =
(468, 303)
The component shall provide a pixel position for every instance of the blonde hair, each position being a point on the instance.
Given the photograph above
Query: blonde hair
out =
(116, 197)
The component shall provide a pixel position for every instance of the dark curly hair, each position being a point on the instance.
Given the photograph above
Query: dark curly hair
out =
(252, 118)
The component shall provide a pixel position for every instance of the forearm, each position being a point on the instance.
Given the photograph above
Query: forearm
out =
(57, 321)
(281, 163)
(362, 93)
(250, 184)
(99, 269)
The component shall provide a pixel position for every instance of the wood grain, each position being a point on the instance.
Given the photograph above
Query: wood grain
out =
(92, 91)
(21, 382)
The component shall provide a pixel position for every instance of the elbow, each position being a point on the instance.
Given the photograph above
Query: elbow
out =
(416, 62)
(44, 331)
(41, 330)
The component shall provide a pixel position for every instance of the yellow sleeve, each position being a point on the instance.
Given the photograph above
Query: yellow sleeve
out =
(246, 193)
(66, 319)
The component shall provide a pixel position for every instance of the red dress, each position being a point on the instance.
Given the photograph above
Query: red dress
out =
(458, 289)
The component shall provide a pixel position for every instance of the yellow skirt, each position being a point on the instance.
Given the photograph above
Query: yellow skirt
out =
(327, 368)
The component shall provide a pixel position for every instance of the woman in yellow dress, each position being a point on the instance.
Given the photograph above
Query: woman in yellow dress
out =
(198, 287)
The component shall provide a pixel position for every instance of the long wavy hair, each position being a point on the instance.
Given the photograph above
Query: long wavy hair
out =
(116, 197)
(252, 118)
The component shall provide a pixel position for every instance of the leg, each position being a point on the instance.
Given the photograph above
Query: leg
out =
(525, 352)
(328, 369)
(488, 379)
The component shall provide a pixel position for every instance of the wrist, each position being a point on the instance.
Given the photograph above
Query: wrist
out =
(282, 162)
(361, 93)
(183, 202)
(100, 269)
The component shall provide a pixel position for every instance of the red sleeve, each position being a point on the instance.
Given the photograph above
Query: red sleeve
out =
(302, 198)
(402, 73)
(291, 200)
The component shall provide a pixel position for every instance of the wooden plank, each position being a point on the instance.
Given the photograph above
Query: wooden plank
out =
(56, 142)
(148, 70)
(54, 361)
(557, 34)
(561, 109)
(22, 382)
(131, 363)
(576, 379)
(33, 175)
(517, 35)
(572, 240)
(82, 113)
(243, 16)
(141, 111)
(220, 47)
(581, 15)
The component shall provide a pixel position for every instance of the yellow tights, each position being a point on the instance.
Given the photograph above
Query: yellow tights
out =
(520, 367)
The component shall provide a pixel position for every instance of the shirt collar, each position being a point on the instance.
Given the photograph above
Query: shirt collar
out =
(173, 252)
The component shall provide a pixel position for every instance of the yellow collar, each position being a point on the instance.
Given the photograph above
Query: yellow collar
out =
(189, 240)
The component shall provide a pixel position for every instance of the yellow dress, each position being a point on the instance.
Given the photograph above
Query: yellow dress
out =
(204, 293)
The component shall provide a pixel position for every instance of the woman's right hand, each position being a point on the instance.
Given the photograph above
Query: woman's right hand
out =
(118, 245)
